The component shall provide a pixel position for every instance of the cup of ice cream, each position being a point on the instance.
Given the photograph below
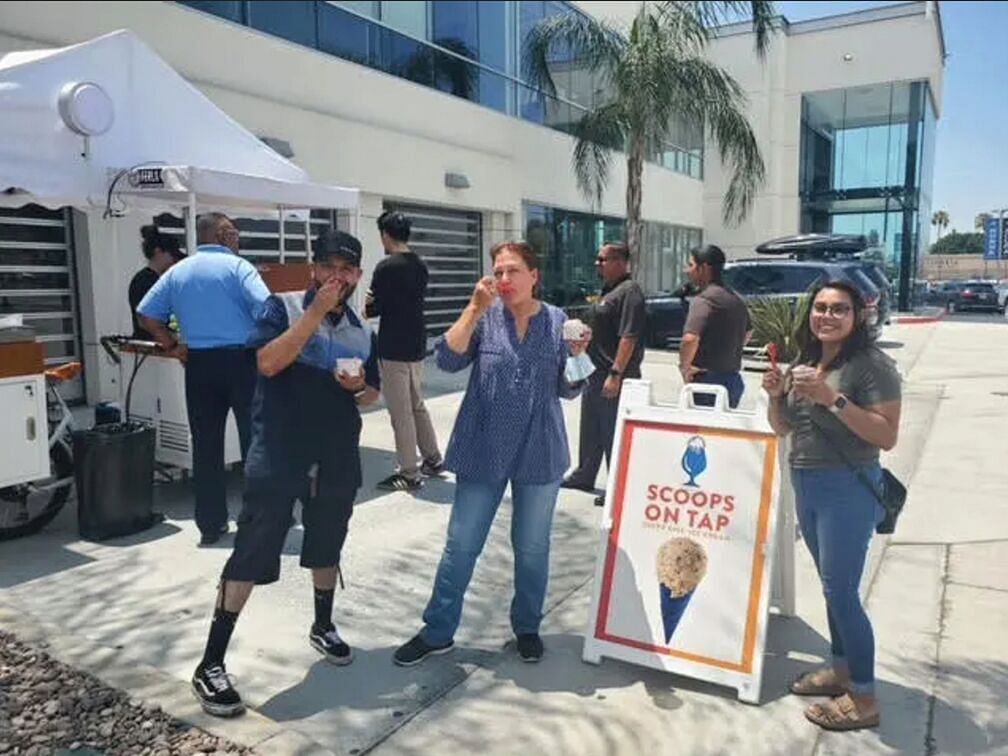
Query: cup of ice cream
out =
(574, 330)
(348, 365)
(681, 565)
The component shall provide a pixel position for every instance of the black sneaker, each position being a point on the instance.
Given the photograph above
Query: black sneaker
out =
(431, 469)
(399, 482)
(215, 691)
(417, 650)
(328, 643)
(577, 485)
(209, 539)
(530, 647)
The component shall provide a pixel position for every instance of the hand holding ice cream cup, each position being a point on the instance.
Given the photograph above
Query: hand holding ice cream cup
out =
(681, 565)
(578, 336)
(349, 373)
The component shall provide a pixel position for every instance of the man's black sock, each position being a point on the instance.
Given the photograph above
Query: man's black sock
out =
(323, 608)
(220, 635)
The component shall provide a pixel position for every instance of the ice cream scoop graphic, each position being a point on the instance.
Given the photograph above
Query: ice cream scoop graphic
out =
(694, 459)
(682, 564)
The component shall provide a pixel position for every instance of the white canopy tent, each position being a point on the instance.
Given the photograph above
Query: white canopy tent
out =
(108, 125)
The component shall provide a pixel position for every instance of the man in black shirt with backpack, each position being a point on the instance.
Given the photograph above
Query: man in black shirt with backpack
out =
(398, 291)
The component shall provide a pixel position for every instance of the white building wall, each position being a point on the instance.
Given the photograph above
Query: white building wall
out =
(347, 124)
(810, 57)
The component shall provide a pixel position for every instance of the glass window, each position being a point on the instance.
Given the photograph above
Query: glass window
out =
(291, 20)
(408, 16)
(493, 90)
(233, 11)
(492, 20)
(343, 34)
(771, 279)
(456, 26)
(366, 8)
(454, 75)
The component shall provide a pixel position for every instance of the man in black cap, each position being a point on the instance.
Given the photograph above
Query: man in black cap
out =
(318, 364)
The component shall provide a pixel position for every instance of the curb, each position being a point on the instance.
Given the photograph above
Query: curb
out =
(919, 319)
(152, 686)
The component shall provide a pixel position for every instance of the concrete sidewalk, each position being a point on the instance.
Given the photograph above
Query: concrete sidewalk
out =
(136, 609)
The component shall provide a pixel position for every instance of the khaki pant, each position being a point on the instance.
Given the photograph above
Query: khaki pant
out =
(411, 423)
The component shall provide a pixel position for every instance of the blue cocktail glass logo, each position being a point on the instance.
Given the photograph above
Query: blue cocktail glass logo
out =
(694, 459)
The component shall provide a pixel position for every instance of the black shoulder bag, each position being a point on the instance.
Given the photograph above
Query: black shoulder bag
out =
(891, 494)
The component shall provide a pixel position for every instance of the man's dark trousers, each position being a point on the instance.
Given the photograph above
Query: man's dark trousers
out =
(598, 427)
(216, 381)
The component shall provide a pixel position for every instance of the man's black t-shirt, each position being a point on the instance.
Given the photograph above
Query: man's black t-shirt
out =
(139, 286)
(620, 312)
(399, 286)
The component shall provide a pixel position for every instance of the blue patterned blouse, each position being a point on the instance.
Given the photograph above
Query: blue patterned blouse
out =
(511, 425)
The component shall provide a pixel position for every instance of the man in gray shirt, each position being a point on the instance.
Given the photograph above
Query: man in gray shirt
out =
(717, 328)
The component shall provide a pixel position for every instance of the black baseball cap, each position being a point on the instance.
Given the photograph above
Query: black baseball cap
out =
(332, 243)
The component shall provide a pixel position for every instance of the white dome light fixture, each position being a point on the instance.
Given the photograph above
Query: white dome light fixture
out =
(86, 108)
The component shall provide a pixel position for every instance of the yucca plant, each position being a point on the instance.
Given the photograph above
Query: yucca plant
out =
(775, 320)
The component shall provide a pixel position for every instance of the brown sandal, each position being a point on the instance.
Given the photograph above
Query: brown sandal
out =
(840, 715)
(812, 684)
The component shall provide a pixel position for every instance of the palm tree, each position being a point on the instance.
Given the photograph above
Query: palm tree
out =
(940, 219)
(653, 74)
(980, 221)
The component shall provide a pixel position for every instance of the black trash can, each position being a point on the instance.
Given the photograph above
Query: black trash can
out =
(114, 473)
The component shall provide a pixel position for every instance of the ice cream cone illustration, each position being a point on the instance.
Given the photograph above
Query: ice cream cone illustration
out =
(682, 564)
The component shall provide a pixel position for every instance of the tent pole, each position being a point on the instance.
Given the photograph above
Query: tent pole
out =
(307, 237)
(190, 224)
(283, 236)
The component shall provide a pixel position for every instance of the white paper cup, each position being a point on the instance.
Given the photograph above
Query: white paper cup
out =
(348, 365)
(574, 330)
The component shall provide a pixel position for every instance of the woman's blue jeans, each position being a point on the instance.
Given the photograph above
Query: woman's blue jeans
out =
(837, 515)
(472, 514)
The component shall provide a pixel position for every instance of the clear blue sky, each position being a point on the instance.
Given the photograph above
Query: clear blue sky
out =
(971, 152)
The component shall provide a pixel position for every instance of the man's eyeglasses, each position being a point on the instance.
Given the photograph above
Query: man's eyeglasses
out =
(839, 310)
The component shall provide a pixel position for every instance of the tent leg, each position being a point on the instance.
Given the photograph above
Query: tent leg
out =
(190, 224)
(283, 236)
(307, 237)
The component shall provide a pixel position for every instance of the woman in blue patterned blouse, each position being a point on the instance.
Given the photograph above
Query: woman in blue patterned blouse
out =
(510, 428)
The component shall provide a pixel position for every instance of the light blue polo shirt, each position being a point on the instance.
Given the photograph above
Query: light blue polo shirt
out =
(214, 294)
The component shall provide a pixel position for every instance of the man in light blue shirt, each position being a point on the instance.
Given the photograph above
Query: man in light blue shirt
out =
(215, 296)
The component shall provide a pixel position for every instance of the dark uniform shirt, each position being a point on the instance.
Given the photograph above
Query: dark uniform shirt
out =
(302, 416)
(618, 313)
(721, 319)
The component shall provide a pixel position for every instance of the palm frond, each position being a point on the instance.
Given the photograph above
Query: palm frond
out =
(599, 133)
(709, 95)
(698, 19)
(596, 44)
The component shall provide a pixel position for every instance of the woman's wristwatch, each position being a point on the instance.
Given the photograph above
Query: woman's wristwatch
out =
(839, 404)
(613, 372)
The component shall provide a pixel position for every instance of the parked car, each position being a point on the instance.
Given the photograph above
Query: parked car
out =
(758, 278)
(976, 295)
(942, 293)
(813, 258)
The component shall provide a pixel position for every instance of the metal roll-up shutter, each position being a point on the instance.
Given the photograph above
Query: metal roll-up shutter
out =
(38, 282)
(449, 242)
(260, 237)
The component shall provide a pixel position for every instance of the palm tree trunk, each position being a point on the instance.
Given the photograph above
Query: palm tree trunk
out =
(635, 170)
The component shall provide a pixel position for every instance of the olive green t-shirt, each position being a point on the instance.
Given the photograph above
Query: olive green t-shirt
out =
(870, 377)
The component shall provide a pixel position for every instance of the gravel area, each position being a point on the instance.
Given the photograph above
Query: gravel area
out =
(48, 708)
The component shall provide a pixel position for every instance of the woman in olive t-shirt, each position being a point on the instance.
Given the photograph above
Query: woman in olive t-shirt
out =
(840, 402)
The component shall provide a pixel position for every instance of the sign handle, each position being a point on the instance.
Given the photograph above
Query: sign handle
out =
(687, 398)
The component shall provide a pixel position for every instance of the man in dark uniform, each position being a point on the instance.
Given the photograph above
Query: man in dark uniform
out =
(716, 331)
(617, 350)
(305, 445)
